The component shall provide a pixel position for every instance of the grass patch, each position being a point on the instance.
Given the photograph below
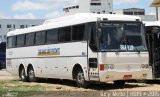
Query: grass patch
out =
(17, 88)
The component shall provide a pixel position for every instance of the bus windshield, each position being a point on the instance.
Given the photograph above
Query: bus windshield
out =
(118, 36)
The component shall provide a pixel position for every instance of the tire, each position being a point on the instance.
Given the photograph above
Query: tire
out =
(22, 75)
(80, 80)
(119, 84)
(151, 81)
(31, 75)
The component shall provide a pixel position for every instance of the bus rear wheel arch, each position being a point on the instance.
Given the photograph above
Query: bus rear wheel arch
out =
(78, 75)
(31, 74)
(22, 74)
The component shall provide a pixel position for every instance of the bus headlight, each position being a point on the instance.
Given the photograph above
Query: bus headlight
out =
(107, 67)
(110, 67)
(145, 66)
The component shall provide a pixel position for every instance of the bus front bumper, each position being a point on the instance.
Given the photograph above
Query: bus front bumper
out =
(114, 75)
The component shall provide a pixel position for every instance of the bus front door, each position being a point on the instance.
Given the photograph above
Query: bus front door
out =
(93, 74)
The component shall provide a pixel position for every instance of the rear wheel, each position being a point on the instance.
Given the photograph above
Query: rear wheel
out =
(22, 75)
(81, 82)
(119, 84)
(31, 75)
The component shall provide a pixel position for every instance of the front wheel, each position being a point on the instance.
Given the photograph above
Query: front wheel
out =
(119, 84)
(81, 82)
(31, 75)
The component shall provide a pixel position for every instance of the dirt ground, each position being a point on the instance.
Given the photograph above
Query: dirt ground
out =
(4, 75)
(69, 89)
(64, 88)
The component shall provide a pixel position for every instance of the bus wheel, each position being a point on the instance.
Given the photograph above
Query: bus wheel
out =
(119, 84)
(31, 75)
(81, 80)
(22, 75)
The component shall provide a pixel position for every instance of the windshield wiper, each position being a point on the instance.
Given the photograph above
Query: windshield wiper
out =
(136, 49)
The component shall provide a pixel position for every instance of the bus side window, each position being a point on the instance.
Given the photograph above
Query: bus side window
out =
(11, 42)
(64, 34)
(78, 32)
(20, 40)
(40, 38)
(30, 39)
(52, 36)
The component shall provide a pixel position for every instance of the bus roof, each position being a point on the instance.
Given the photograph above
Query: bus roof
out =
(72, 20)
(152, 23)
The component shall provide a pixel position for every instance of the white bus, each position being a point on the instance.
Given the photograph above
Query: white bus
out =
(83, 47)
(153, 43)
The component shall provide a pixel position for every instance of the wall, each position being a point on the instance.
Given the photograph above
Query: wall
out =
(15, 24)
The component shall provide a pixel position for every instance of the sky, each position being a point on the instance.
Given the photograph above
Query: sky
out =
(44, 9)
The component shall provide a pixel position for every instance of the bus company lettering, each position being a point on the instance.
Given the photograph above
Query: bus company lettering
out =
(49, 52)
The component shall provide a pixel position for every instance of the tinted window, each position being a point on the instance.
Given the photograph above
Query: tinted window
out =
(78, 32)
(2, 47)
(11, 42)
(52, 36)
(40, 38)
(77, 6)
(30, 39)
(95, 3)
(9, 26)
(20, 40)
(65, 34)
(22, 26)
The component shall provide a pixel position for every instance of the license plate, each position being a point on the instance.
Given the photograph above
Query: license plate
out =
(127, 77)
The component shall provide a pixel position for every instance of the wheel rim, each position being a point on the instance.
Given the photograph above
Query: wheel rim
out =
(80, 78)
(22, 74)
(31, 74)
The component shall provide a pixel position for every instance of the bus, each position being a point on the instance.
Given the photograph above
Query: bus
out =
(153, 43)
(2, 55)
(83, 47)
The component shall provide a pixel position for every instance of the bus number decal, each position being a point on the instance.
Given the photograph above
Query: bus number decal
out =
(49, 52)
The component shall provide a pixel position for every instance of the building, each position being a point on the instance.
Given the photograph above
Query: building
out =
(130, 11)
(137, 12)
(91, 6)
(7, 25)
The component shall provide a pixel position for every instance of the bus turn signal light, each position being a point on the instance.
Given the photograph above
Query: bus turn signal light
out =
(102, 67)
